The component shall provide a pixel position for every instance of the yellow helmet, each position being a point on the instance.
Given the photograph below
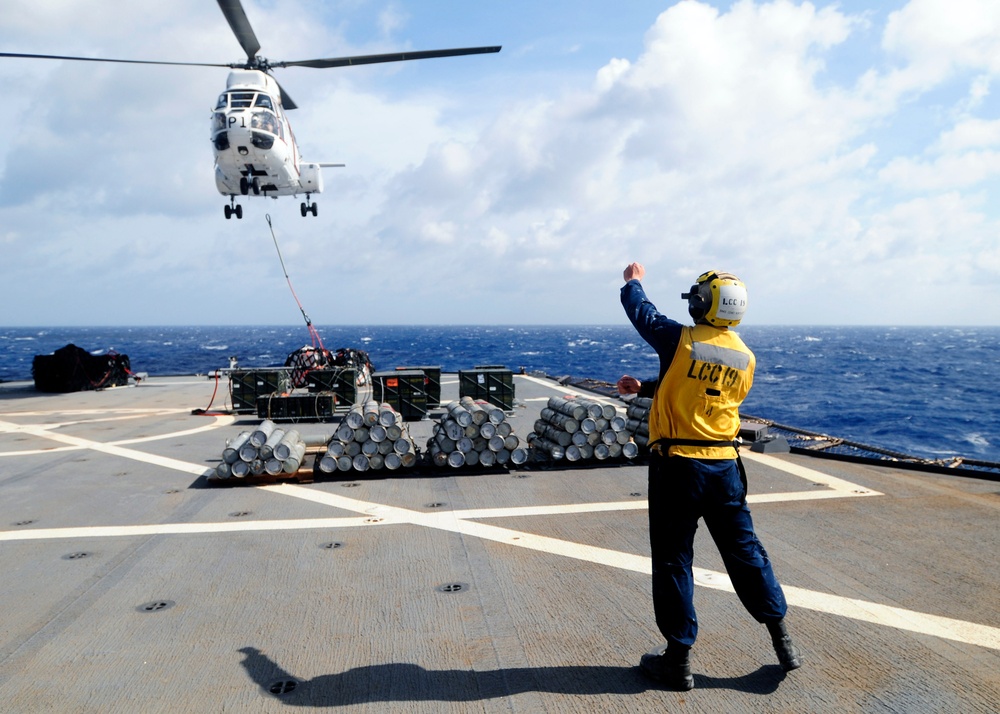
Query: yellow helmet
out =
(718, 299)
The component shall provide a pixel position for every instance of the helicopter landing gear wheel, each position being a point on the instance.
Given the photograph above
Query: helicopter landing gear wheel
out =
(233, 210)
(244, 185)
(307, 207)
(255, 185)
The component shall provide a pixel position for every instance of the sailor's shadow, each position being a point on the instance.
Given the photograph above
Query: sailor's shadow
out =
(763, 681)
(400, 682)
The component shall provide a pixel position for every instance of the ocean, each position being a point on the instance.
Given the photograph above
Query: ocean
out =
(918, 390)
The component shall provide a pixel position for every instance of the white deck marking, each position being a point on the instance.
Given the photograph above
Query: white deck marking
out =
(75, 443)
(183, 528)
(108, 448)
(85, 412)
(566, 389)
(842, 487)
(887, 615)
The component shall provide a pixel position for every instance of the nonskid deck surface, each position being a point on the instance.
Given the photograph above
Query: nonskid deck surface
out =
(132, 585)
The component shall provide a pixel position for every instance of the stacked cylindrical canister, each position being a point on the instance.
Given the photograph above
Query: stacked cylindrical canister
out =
(576, 428)
(371, 436)
(638, 419)
(473, 433)
(267, 450)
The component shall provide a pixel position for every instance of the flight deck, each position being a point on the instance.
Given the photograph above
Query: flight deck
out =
(133, 583)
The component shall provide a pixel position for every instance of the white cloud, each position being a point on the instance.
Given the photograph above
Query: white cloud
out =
(971, 134)
(949, 171)
(936, 38)
(391, 19)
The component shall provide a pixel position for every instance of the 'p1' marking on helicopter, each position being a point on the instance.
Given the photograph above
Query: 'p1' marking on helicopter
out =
(255, 149)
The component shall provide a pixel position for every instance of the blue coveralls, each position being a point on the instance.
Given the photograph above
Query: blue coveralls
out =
(681, 491)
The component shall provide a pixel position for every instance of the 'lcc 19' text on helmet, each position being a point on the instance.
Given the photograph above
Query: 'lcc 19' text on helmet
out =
(719, 299)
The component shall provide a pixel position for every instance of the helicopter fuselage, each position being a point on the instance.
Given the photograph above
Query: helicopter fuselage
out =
(255, 150)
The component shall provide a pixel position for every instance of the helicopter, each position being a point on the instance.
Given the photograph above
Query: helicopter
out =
(255, 149)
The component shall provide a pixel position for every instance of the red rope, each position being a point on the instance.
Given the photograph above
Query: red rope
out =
(205, 411)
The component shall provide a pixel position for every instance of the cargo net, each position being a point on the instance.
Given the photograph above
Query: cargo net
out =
(807, 442)
(73, 369)
(358, 360)
(307, 359)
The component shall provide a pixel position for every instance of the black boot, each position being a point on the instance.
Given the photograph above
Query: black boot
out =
(788, 654)
(670, 667)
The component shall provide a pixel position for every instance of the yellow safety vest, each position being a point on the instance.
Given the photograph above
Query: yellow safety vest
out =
(698, 398)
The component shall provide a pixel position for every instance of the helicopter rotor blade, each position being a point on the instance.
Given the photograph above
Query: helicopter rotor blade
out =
(391, 57)
(108, 59)
(286, 99)
(237, 19)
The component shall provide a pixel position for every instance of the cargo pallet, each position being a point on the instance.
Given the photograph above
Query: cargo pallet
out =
(405, 390)
(247, 385)
(295, 408)
(303, 475)
(488, 384)
(432, 383)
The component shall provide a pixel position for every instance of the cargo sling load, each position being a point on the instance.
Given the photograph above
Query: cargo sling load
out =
(73, 369)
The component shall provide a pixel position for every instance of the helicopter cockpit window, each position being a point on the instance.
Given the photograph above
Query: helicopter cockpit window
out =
(239, 100)
(264, 101)
(265, 121)
(223, 99)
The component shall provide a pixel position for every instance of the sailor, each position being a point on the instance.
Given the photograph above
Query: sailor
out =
(694, 467)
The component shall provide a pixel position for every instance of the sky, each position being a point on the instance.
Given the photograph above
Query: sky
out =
(841, 158)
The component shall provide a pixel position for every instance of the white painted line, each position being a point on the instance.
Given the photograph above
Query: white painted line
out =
(125, 417)
(113, 410)
(184, 528)
(566, 389)
(374, 510)
(44, 432)
(842, 487)
(887, 615)
(219, 420)
(639, 505)
(875, 613)
(789, 496)
(77, 442)
(564, 509)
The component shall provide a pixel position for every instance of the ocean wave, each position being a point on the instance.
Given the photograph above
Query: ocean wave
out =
(891, 388)
(977, 440)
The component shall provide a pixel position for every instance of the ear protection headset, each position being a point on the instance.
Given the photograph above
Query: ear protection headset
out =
(718, 299)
